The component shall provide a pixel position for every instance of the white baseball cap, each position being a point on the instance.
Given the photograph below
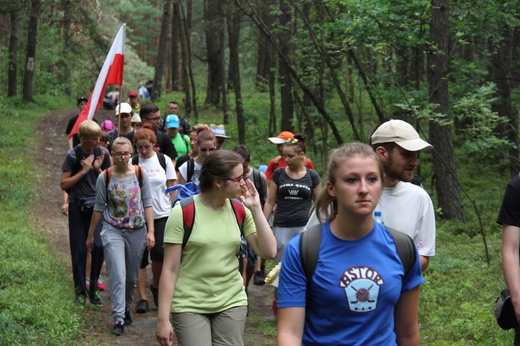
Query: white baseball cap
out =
(400, 133)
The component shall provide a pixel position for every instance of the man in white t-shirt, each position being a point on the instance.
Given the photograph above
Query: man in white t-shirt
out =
(404, 206)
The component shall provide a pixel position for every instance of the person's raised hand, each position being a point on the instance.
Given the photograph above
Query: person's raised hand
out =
(249, 195)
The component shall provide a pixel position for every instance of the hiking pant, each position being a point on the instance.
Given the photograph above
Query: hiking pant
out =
(123, 251)
(221, 328)
(79, 223)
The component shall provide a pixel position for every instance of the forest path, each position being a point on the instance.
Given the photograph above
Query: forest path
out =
(50, 152)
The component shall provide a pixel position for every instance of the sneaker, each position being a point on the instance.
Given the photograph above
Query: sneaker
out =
(87, 282)
(259, 278)
(128, 318)
(118, 329)
(80, 300)
(95, 299)
(155, 293)
(101, 284)
(142, 307)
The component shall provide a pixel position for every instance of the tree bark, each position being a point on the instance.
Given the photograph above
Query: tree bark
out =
(67, 19)
(13, 54)
(448, 192)
(175, 40)
(214, 28)
(284, 39)
(501, 61)
(32, 34)
(162, 52)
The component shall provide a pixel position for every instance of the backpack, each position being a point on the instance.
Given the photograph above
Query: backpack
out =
(188, 216)
(160, 156)
(310, 241)
(258, 185)
(107, 174)
(190, 170)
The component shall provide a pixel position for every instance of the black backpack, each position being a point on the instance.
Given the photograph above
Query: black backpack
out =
(160, 156)
(310, 241)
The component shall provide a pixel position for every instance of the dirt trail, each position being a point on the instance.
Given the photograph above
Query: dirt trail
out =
(51, 148)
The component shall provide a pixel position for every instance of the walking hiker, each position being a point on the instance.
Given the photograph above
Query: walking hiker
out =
(124, 203)
(205, 292)
(80, 169)
(361, 292)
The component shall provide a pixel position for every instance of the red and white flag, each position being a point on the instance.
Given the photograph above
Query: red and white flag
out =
(111, 73)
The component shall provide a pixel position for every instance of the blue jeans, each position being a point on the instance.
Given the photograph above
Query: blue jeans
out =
(123, 251)
(79, 223)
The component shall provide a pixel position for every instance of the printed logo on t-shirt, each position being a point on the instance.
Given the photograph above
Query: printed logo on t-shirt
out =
(292, 191)
(362, 285)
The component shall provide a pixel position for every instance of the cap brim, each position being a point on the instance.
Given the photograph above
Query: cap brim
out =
(414, 144)
(276, 140)
(222, 136)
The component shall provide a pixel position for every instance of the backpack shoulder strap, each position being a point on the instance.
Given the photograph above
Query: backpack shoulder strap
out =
(405, 249)
(139, 175)
(107, 174)
(190, 170)
(188, 217)
(135, 160)
(240, 213)
(256, 178)
(162, 160)
(310, 241)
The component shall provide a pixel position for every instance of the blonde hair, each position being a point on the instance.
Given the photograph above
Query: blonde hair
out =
(337, 157)
(123, 141)
(89, 129)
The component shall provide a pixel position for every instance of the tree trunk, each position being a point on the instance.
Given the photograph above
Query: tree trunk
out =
(175, 54)
(233, 25)
(501, 61)
(448, 192)
(265, 59)
(214, 28)
(284, 39)
(32, 33)
(162, 52)
(13, 54)
(67, 19)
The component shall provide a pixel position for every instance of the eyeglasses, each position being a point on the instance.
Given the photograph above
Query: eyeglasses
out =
(121, 155)
(291, 140)
(237, 179)
(208, 149)
(153, 119)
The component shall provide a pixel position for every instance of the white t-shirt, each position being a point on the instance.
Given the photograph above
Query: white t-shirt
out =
(407, 208)
(161, 202)
(183, 170)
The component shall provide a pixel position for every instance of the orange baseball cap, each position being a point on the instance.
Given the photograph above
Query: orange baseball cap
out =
(282, 137)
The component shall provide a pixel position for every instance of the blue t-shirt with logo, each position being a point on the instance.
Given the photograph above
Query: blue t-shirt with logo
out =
(355, 287)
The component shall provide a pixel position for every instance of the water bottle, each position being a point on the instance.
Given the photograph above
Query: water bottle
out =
(377, 217)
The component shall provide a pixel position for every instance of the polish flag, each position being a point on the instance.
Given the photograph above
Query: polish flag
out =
(111, 73)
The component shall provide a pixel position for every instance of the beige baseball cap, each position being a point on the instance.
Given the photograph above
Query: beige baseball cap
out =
(400, 133)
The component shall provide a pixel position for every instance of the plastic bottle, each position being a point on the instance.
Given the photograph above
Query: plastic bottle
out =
(377, 217)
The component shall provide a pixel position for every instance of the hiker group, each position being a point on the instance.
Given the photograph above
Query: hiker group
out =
(154, 188)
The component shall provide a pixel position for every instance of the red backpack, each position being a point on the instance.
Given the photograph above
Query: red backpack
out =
(188, 216)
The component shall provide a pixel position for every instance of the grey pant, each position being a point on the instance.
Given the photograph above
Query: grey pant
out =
(123, 252)
(283, 235)
(218, 329)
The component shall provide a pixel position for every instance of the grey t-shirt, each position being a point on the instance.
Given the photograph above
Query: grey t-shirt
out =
(86, 187)
(294, 198)
(125, 203)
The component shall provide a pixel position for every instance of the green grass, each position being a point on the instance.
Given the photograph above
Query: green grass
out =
(36, 300)
(36, 291)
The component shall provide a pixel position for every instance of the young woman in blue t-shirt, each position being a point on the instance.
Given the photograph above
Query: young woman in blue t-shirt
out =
(359, 294)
